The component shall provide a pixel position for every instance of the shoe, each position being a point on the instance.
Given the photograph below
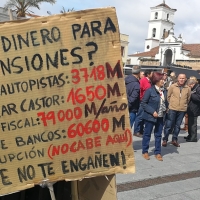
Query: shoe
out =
(164, 144)
(175, 143)
(184, 129)
(159, 157)
(187, 137)
(146, 156)
(138, 135)
(189, 140)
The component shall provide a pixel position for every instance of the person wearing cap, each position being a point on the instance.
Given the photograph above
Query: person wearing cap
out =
(133, 92)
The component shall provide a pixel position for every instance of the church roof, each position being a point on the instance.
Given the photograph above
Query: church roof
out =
(193, 48)
(194, 51)
(150, 53)
(164, 5)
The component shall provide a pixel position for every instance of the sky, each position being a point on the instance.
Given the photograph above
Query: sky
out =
(133, 16)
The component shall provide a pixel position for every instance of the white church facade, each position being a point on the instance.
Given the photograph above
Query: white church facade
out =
(161, 45)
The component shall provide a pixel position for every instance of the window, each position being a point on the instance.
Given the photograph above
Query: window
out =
(148, 46)
(156, 15)
(164, 33)
(154, 32)
(122, 51)
(167, 16)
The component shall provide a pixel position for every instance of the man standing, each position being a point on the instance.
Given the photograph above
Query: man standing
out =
(133, 92)
(193, 110)
(178, 97)
(145, 83)
(172, 80)
(165, 80)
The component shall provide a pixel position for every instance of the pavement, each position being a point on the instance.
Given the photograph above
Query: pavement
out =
(177, 161)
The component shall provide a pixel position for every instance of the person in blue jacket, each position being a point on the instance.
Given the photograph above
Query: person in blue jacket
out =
(133, 92)
(154, 104)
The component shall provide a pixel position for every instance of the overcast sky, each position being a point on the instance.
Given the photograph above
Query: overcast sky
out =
(133, 16)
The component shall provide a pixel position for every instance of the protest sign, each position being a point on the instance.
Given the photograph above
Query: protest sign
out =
(64, 113)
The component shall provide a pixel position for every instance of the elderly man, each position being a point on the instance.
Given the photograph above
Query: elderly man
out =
(178, 97)
(133, 92)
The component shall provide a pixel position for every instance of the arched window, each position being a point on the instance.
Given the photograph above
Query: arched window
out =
(154, 32)
(168, 57)
(156, 15)
(167, 16)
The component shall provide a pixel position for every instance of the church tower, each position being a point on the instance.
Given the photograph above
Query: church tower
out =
(160, 23)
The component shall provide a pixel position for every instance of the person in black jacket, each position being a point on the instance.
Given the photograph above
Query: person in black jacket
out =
(193, 111)
(133, 92)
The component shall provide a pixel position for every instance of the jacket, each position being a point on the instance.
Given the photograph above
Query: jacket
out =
(151, 103)
(194, 105)
(170, 82)
(133, 92)
(178, 98)
(144, 85)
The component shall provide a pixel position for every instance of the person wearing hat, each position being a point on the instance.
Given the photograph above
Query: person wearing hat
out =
(133, 92)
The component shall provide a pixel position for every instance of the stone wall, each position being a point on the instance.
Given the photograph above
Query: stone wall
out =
(195, 64)
(150, 62)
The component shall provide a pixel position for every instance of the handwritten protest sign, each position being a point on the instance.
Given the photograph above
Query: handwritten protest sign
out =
(64, 112)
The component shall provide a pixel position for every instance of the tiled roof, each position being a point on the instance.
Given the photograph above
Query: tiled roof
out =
(193, 48)
(150, 53)
(194, 51)
(164, 5)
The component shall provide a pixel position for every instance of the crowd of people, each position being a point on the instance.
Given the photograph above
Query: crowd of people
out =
(159, 103)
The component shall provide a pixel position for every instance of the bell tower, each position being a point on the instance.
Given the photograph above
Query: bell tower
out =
(160, 23)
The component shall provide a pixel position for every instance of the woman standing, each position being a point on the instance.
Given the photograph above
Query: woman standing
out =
(193, 110)
(154, 104)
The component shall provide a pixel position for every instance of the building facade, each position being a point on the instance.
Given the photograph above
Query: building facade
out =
(162, 47)
(124, 47)
(160, 23)
(5, 15)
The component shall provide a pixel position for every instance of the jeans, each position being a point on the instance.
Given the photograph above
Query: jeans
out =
(132, 116)
(157, 134)
(192, 128)
(139, 122)
(173, 122)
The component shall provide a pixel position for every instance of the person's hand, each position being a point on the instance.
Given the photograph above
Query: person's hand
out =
(155, 114)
